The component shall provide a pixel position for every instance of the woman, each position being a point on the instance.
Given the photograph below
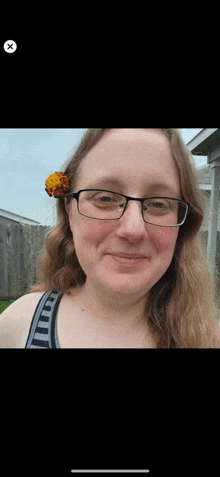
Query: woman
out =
(125, 261)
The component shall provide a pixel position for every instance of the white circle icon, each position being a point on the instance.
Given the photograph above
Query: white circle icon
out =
(10, 46)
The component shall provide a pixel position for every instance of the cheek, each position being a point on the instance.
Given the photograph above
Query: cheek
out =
(88, 238)
(164, 240)
(91, 232)
(88, 234)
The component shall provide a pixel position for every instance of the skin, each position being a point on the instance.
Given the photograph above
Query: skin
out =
(115, 296)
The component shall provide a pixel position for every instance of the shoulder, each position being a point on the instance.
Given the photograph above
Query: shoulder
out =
(16, 319)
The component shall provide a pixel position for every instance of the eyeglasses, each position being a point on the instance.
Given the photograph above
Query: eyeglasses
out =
(102, 204)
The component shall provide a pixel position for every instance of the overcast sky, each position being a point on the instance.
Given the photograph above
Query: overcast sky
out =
(29, 156)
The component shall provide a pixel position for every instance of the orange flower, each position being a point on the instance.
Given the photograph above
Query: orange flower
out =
(57, 184)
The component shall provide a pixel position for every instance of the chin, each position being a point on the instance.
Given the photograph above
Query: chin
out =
(125, 285)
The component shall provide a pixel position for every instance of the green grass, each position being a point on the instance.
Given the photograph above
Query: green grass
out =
(4, 304)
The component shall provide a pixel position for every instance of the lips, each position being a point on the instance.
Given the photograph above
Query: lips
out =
(129, 256)
(127, 260)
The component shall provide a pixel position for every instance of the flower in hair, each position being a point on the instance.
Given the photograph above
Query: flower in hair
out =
(57, 184)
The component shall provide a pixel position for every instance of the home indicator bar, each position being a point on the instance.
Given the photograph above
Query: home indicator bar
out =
(112, 471)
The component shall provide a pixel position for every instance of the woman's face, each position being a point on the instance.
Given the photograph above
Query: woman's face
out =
(137, 163)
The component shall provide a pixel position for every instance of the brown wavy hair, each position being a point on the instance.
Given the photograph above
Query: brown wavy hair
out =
(182, 307)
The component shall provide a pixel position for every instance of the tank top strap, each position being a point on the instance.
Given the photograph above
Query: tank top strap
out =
(43, 330)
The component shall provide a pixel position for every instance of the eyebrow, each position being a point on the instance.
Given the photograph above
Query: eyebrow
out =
(110, 180)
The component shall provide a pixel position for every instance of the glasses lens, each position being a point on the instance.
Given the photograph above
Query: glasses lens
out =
(101, 204)
(164, 212)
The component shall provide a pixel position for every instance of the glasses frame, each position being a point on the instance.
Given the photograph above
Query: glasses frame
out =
(75, 195)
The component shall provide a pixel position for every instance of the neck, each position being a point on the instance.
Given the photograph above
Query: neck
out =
(118, 311)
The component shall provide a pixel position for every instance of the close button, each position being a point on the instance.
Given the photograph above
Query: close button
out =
(10, 46)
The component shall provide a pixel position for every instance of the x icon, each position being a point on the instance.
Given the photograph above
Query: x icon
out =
(10, 46)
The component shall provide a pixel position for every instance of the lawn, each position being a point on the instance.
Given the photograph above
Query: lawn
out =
(4, 304)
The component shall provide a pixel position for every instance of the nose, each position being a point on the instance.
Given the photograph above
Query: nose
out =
(131, 224)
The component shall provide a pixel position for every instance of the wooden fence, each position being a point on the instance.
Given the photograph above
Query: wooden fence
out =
(19, 248)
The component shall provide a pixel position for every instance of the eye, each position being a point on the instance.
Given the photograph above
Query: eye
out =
(156, 203)
(105, 198)
(157, 206)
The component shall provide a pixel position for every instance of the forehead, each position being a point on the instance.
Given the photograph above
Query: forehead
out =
(141, 156)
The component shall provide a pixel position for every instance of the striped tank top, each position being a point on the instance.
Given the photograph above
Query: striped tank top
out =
(43, 329)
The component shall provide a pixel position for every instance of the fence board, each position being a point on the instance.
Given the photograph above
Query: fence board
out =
(19, 248)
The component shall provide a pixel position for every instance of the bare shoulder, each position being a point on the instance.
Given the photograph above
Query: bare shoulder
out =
(16, 319)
